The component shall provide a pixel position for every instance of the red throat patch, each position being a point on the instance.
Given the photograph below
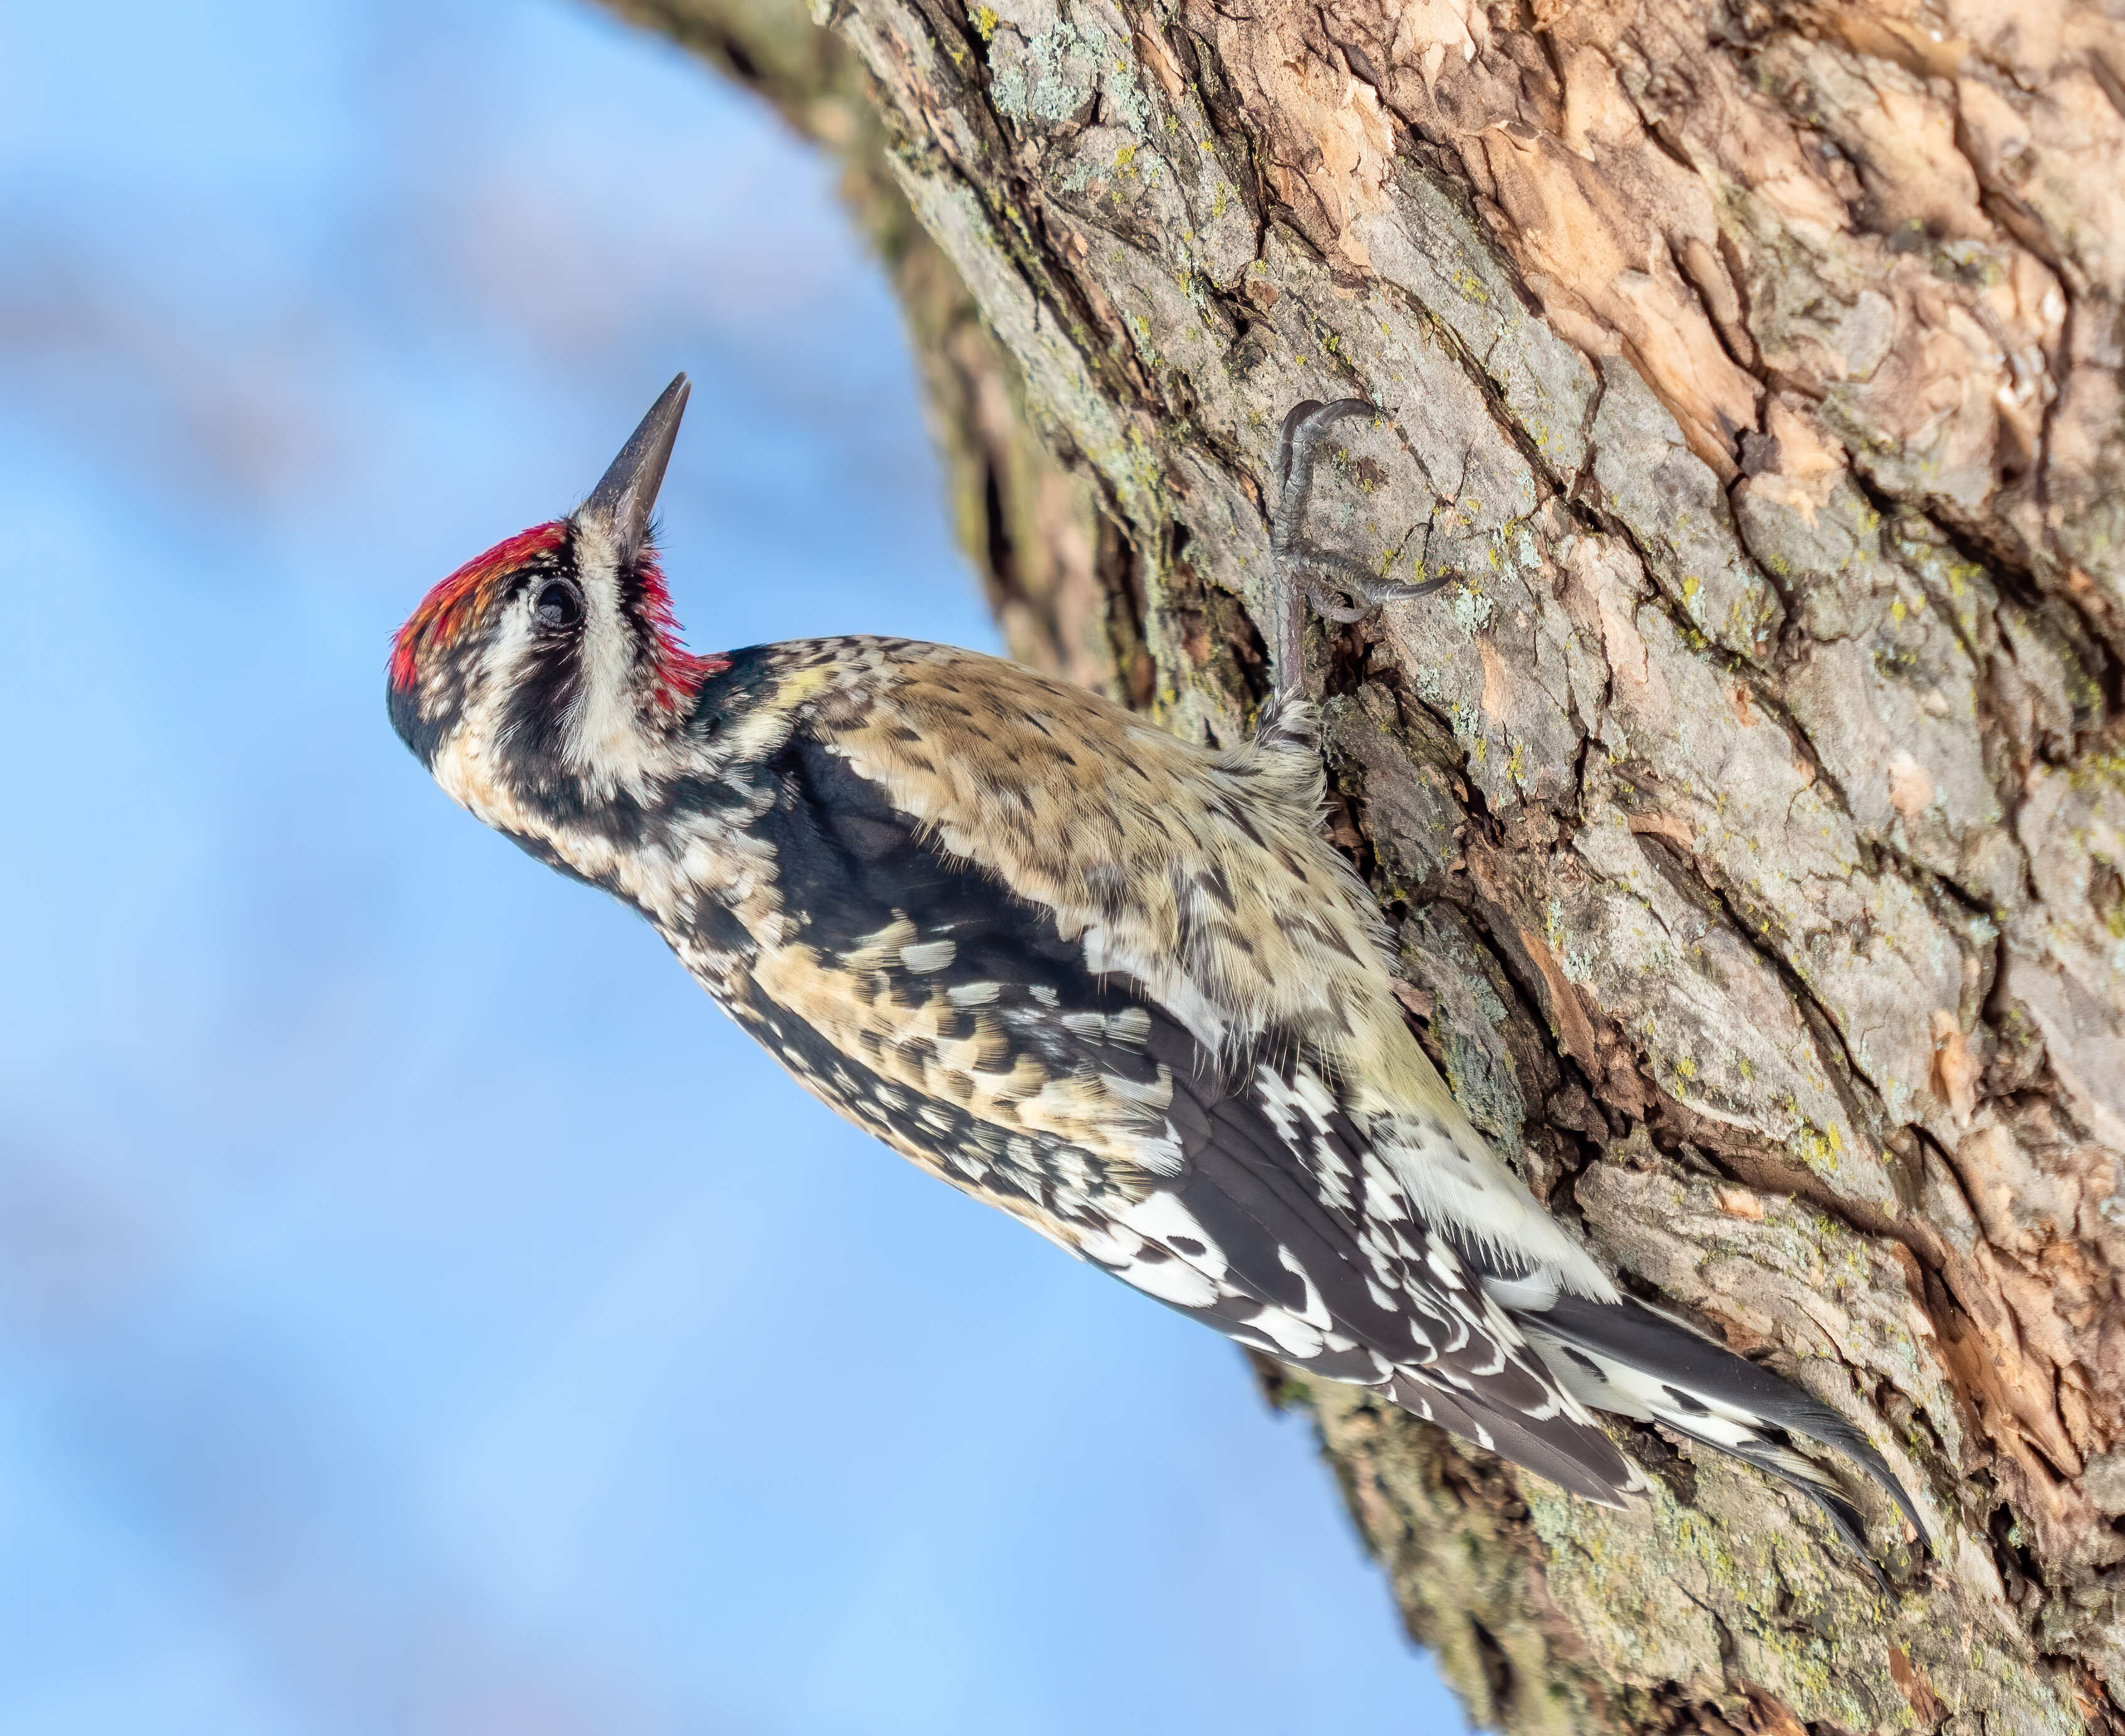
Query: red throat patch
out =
(457, 601)
(679, 673)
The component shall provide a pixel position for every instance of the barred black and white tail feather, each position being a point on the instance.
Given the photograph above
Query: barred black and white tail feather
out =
(1583, 1460)
(1627, 1358)
(1114, 984)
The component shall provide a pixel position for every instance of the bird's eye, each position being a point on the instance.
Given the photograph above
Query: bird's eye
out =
(560, 605)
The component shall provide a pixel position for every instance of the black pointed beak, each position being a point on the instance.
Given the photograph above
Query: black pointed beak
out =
(627, 493)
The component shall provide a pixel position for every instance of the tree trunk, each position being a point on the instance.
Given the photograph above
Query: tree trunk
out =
(1751, 814)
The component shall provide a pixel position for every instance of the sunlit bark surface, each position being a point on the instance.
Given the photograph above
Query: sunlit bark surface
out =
(1751, 815)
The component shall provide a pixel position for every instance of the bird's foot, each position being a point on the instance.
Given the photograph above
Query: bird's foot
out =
(1307, 576)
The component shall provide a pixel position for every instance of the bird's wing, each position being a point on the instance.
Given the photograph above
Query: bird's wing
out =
(921, 998)
(1301, 1240)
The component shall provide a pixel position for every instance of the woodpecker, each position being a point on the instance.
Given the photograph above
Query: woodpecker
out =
(1110, 982)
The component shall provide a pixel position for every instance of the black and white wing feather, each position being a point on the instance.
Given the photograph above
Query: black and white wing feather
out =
(934, 1007)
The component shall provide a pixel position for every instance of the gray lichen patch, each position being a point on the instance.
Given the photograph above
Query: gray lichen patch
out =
(1427, 247)
(1051, 78)
(1754, 816)
(1675, 977)
(1678, 516)
(1884, 687)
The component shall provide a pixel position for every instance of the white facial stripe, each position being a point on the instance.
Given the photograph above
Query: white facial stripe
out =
(500, 659)
(603, 734)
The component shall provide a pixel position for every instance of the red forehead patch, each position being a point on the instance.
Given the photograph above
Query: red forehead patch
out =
(458, 600)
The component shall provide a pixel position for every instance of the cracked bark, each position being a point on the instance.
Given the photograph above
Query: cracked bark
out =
(1752, 812)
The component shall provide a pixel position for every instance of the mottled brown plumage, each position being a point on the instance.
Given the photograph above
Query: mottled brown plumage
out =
(1113, 983)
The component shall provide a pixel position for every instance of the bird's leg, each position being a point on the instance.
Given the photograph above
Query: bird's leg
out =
(1305, 575)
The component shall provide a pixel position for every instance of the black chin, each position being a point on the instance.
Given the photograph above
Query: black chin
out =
(422, 737)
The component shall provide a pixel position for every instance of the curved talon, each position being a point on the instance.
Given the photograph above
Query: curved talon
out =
(1342, 614)
(1388, 593)
(1292, 417)
(1365, 589)
(1304, 556)
(1334, 585)
(1367, 599)
(1304, 425)
(1365, 581)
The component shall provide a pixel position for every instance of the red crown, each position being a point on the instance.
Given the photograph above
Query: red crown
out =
(457, 601)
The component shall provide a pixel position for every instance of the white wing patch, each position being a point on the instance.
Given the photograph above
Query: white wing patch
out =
(1453, 1178)
(1434, 1326)
(1155, 1234)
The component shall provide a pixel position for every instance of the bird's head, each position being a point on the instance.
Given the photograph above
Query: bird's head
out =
(548, 673)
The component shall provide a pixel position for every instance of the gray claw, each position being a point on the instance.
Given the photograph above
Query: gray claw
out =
(1332, 585)
(1354, 579)
(1370, 595)
(1383, 592)
(1342, 614)
(1298, 438)
(1292, 417)
(1328, 560)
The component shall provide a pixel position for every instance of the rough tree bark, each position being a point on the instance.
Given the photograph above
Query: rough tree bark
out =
(1751, 815)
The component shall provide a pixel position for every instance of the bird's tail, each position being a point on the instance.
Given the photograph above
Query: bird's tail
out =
(1623, 1356)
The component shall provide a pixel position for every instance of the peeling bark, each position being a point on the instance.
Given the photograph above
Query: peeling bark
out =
(1751, 814)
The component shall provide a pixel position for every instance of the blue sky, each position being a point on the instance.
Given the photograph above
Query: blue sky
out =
(419, 1310)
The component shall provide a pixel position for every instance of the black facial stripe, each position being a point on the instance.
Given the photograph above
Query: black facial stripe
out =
(422, 735)
(426, 712)
(736, 795)
(545, 683)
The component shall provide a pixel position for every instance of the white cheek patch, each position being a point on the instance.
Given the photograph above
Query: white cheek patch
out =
(501, 661)
(452, 768)
(496, 672)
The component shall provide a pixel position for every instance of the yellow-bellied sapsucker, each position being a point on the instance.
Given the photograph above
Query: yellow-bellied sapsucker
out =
(1114, 984)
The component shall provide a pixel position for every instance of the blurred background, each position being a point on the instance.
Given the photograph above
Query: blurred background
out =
(419, 1310)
